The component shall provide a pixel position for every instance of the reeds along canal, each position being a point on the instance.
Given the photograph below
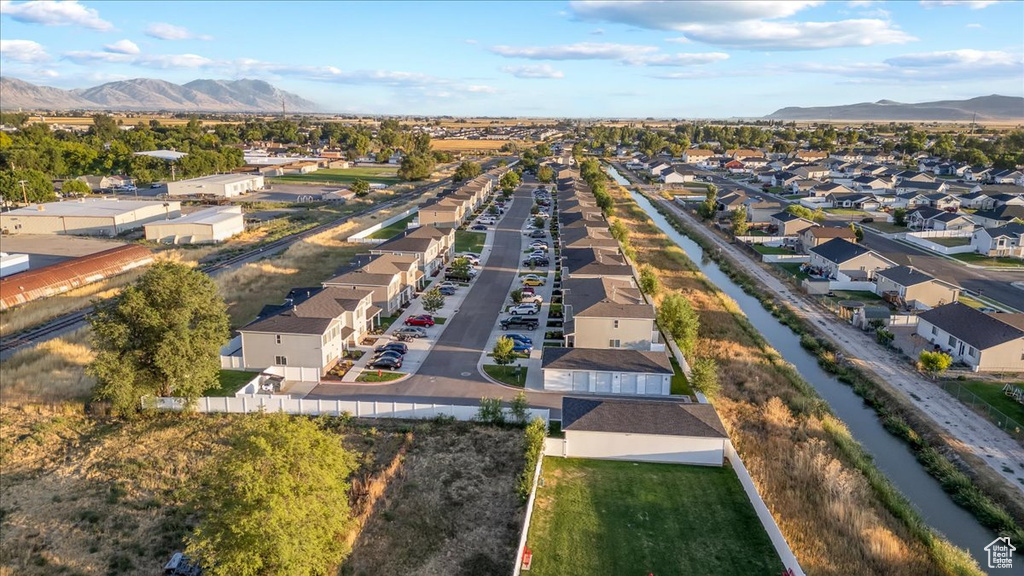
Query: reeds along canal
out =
(892, 456)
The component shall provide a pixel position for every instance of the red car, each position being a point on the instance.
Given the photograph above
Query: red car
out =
(420, 320)
(528, 291)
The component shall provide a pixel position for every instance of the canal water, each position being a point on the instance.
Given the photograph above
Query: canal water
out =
(891, 454)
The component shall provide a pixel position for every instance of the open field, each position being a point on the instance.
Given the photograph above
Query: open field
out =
(470, 145)
(466, 241)
(92, 496)
(981, 260)
(344, 176)
(607, 517)
(839, 515)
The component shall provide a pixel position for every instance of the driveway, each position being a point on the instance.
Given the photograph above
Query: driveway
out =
(449, 374)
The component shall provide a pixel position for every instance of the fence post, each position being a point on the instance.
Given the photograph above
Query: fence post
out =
(245, 405)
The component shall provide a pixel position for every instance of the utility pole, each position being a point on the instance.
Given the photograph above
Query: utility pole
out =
(24, 194)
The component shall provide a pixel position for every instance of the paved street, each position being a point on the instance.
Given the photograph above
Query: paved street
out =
(449, 373)
(994, 284)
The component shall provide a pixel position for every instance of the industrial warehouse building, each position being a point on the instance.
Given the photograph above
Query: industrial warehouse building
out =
(12, 263)
(221, 185)
(206, 226)
(87, 216)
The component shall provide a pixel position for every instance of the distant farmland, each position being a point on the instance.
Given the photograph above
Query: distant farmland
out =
(466, 145)
(345, 176)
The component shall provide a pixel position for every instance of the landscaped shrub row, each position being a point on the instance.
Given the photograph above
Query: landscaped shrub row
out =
(534, 447)
(959, 485)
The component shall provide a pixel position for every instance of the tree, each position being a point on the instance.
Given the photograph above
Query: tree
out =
(707, 209)
(276, 502)
(416, 167)
(509, 181)
(677, 317)
(739, 221)
(538, 222)
(649, 282)
(161, 336)
(619, 230)
(75, 187)
(805, 212)
(503, 353)
(37, 187)
(432, 300)
(933, 363)
(491, 412)
(360, 187)
(517, 295)
(466, 171)
(460, 267)
(519, 408)
(704, 376)
(545, 174)
(858, 232)
(899, 216)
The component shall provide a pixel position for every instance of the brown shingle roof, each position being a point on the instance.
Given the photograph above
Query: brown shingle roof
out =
(636, 416)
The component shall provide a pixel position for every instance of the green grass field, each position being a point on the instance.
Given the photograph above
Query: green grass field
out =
(951, 242)
(370, 375)
(762, 249)
(387, 176)
(392, 230)
(679, 383)
(466, 241)
(793, 269)
(885, 227)
(846, 211)
(507, 374)
(608, 517)
(992, 392)
(980, 260)
(230, 382)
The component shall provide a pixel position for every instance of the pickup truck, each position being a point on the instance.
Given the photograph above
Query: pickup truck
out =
(519, 321)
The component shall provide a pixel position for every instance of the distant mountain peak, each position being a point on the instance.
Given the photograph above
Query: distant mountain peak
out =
(204, 95)
(984, 108)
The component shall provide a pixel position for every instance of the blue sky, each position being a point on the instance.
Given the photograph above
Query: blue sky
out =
(607, 59)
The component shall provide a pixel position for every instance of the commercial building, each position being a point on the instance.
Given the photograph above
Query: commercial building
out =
(210, 225)
(220, 185)
(12, 263)
(87, 216)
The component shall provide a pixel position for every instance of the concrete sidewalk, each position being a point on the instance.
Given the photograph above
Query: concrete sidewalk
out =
(1001, 452)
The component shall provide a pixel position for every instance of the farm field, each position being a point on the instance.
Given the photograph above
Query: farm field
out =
(610, 517)
(93, 496)
(467, 145)
(387, 176)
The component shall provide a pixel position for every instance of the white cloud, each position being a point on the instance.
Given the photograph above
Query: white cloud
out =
(471, 41)
(682, 59)
(675, 15)
(155, 61)
(975, 26)
(165, 31)
(578, 51)
(533, 71)
(861, 3)
(759, 35)
(122, 47)
(481, 89)
(22, 51)
(51, 13)
(972, 4)
(943, 66)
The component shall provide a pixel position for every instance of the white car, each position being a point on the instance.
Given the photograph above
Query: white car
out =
(526, 309)
(532, 299)
(487, 221)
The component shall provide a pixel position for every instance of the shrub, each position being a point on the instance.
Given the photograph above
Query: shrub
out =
(535, 432)
(490, 412)
(704, 376)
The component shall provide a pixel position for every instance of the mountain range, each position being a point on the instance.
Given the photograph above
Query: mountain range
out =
(155, 95)
(987, 108)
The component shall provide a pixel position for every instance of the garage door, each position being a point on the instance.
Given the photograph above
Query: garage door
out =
(628, 382)
(581, 381)
(603, 383)
(653, 384)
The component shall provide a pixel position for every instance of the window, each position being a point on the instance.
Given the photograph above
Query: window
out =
(615, 324)
(934, 331)
(278, 338)
(952, 341)
(614, 343)
(281, 360)
(974, 353)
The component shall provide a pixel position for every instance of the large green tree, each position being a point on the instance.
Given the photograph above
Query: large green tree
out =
(432, 300)
(739, 221)
(19, 185)
(545, 174)
(416, 167)
(161, 336)
(509, 181)
(466, 171)
(677, 317)
(276, 503)
(503, 352)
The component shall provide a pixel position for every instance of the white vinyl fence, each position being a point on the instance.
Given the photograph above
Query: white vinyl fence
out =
(776, 240)
(922, 239)
(361, 236)
(797, 258)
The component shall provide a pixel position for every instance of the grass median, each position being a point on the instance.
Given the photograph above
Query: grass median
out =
(507, 374)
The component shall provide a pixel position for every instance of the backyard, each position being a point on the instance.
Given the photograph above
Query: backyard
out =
(466, 241)
(679, 383)
(762, 249)
(610, 517)
(345, 176)
(393, 229)
(992, 392)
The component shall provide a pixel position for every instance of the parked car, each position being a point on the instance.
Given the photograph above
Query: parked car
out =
(446, 291)
(539, 245)
(155, 185)
(388, 354)
(529, 291)
(414, 331)
(519, 321)
(532, 299)
(487, 221)
(867, 220)
(519, 337)
(420, 320)
(396, 346)
(472, 259)
(538, 234)
(537, 261)
(479, 227)
(522, 348)
(386, 362)
(533, 280)
(526, 309)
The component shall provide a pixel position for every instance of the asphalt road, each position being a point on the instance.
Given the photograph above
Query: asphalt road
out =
(449, 373)
(994, 284)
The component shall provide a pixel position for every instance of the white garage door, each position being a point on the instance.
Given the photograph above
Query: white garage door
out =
(628, 382)
(603, 383)
(581, 381)
(652, 384)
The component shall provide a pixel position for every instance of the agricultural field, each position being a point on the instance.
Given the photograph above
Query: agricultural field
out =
(469, 145)
(388, 176)
(609, 517)
(83, 495)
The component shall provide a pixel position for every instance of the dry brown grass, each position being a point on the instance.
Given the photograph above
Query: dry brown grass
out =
(82, 495)
(826, 508)
(49, 373)
(469, 145)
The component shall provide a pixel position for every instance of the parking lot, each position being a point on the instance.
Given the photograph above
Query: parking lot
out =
(46, 249)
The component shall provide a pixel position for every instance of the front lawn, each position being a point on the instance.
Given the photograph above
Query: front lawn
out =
(846, 211)
(440, 320)
(981, 260)
(679, 384)
(886, 227)
(951, 242)
(992, 392)
(386, 176)
(370, 375)
(230, 382)
(393, 229)
(507, 374)
(610, 517)
(466, 241)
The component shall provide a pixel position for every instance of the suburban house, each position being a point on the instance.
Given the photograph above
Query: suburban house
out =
(811, 172)
(607, 313)
(759, 211)
(906, 286)
(594, 263)
(659, 168)
(862, 183)
(910, 200)
(854, 200)
(984, 342)
(695, 155)
(998, 216)
(949, 221)
(847, 262)
(434, 247)
(908, 185)
(943, 201)
(588, 237)
(678, 176)
(786, 224)
(1006, 240)
(607, 371)
(311, 335)
(643, 430)
(818, 235)
(919, 217)
(825, 189)
(448, 212)
(392, 278)
(977, 201)
(730, 201)
(810, 155)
